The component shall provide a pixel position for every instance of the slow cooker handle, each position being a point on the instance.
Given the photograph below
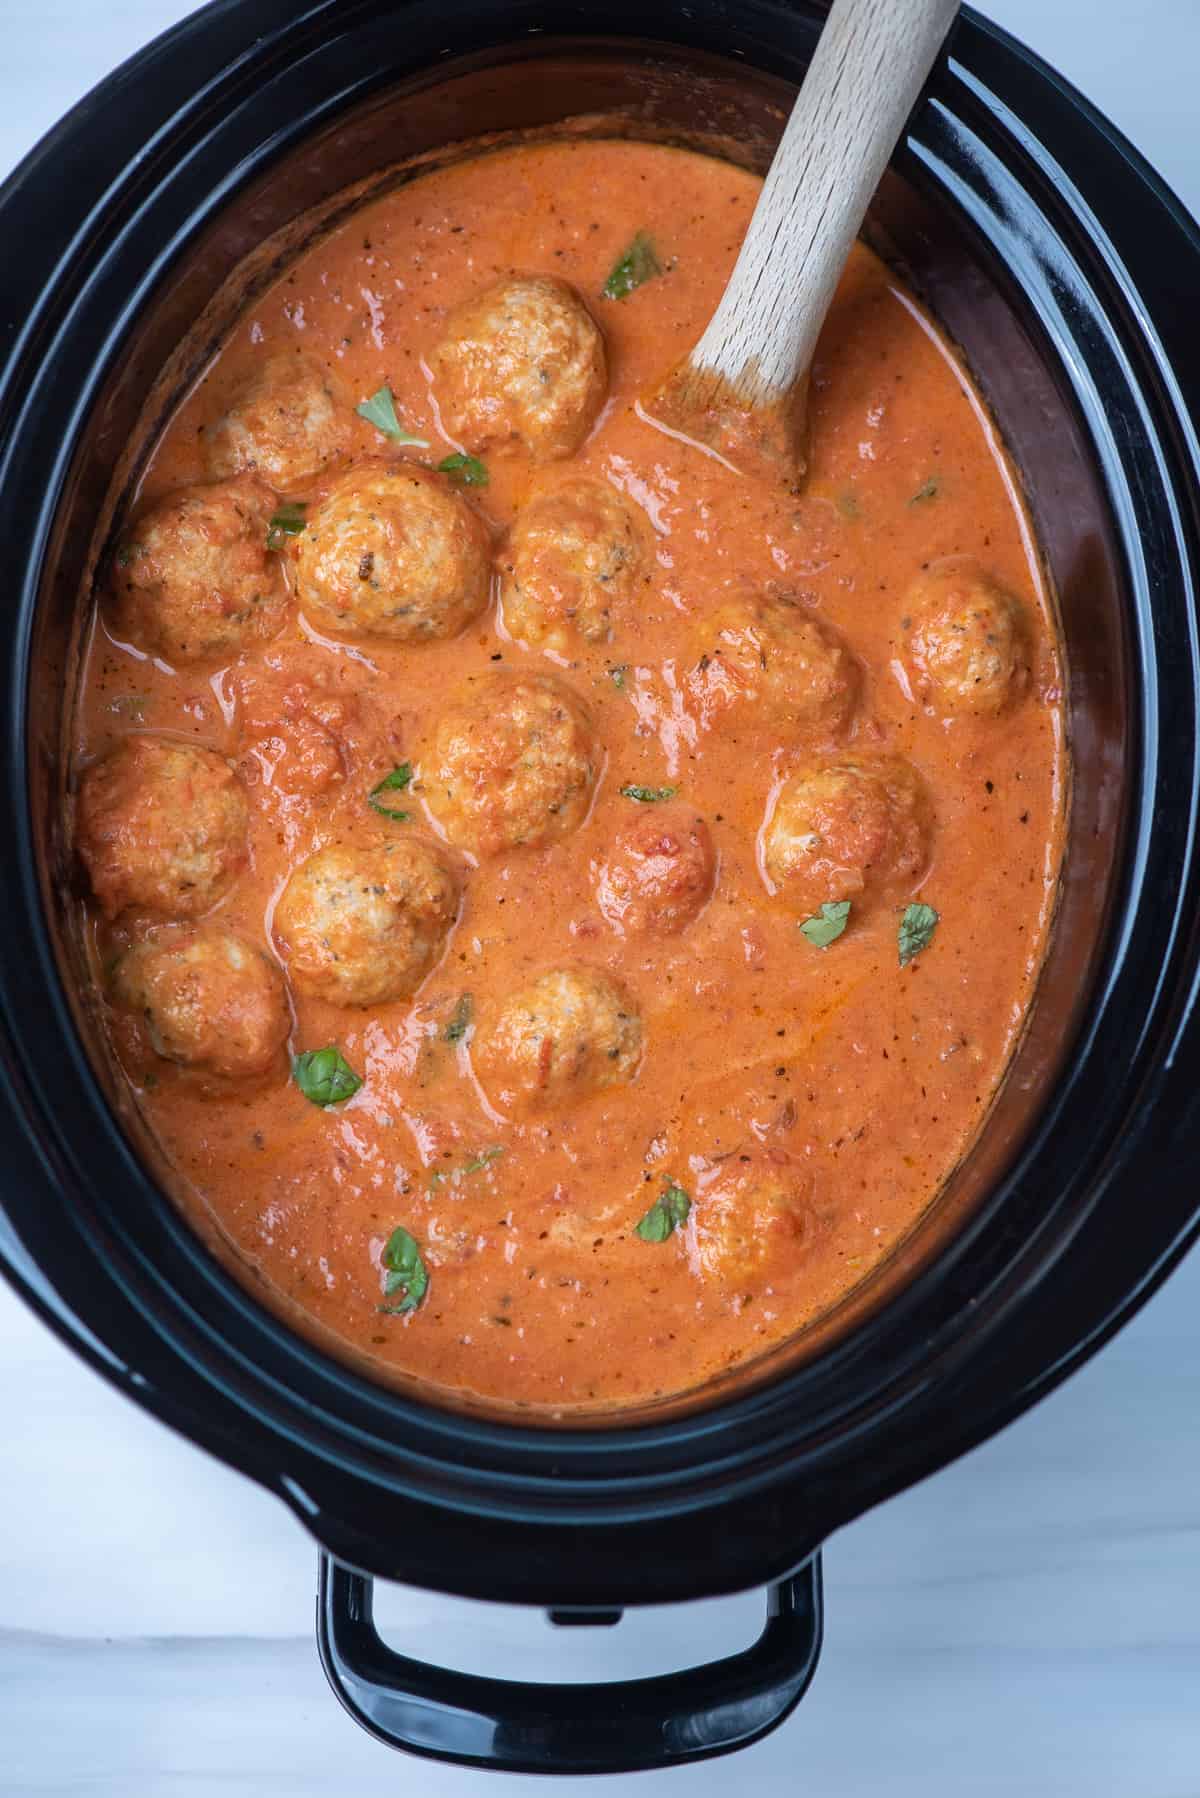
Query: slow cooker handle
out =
(513, 1726)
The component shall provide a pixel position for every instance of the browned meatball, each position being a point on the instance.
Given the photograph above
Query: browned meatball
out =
(772, 663)
(855, 829)
(392, 551)
(207, 1000)
(564, 1035)
(363, 926)
(193, 580)
(521, 362)
(658, 872)
(161, 826)
(966, 648)
(514, 763)
(751, 1224)
(574, 560)
(289, 422)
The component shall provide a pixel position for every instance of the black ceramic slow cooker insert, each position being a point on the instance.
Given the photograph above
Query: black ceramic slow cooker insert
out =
(1068, 275)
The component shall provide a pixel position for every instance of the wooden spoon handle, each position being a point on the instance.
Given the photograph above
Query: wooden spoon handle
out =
(871, 63)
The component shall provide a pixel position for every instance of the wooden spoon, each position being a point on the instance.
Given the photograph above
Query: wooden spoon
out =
(743, 390)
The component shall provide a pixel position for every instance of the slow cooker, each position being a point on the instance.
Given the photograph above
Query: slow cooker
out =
(1067, 274)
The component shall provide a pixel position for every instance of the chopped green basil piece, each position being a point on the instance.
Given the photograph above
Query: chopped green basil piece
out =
(325, 1076)
(649, 795)
(617, 675)
(405, 1271)
(468, 471)
(665, 1215)
(477, 1162)
(380, 411)
(288, 522)
(928, 491)
(638, 263)
(460, 1019)
(395, 782)
(481, 1160)
(827, 925)
(916, 929)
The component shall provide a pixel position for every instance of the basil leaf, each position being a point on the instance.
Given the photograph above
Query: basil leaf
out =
(649, 795)
(665, 1215)
(380, 411)
(395, 782)
(916, 929)
(325, 1076)
(289, 521)
(481, 1160)
(617, 675)
(406, 1271)
(930, 490)
(460, 1019)
(440, 1175)
(827, 925)
(468, 471)
(638, 263)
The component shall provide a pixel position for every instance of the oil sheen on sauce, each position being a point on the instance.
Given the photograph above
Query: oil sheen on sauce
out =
(863, 1080)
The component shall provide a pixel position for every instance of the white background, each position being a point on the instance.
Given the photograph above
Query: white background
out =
(1026, 1623)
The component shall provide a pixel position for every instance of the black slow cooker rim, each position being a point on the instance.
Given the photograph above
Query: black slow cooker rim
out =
(743, 1447)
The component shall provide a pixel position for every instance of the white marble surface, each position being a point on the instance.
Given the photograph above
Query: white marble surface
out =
(1028, 1621)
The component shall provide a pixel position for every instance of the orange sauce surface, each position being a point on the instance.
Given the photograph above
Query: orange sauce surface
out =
(870, 1078)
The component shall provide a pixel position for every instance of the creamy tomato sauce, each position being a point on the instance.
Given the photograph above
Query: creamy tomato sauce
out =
(786, 1111)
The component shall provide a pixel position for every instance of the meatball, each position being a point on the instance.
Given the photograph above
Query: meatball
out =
(658, 872)
(161, 826)
(207, 999)
(773, 663)
(288, 423)
(965, 649)
(514, 763)
(573, 556)
(392, 551)
(193, 579)
(523, 361)
(855, 828)
(751, 1224)
(363, 926)
(564, 1035)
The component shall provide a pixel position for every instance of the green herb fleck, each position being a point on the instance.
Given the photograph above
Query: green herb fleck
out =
(827, 925)
(916, 930)
(847, 504)
(395, 782)
(130, 705)
(649, 795)
(930, 490)
(477, 1163)
(460, 1019)
(638, 263)
(288, 522)
(481, 1160)
(405, 1271)
(666, 1214)
(617, 675)
(468, 471)
(380, 411)
(325, 1076)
